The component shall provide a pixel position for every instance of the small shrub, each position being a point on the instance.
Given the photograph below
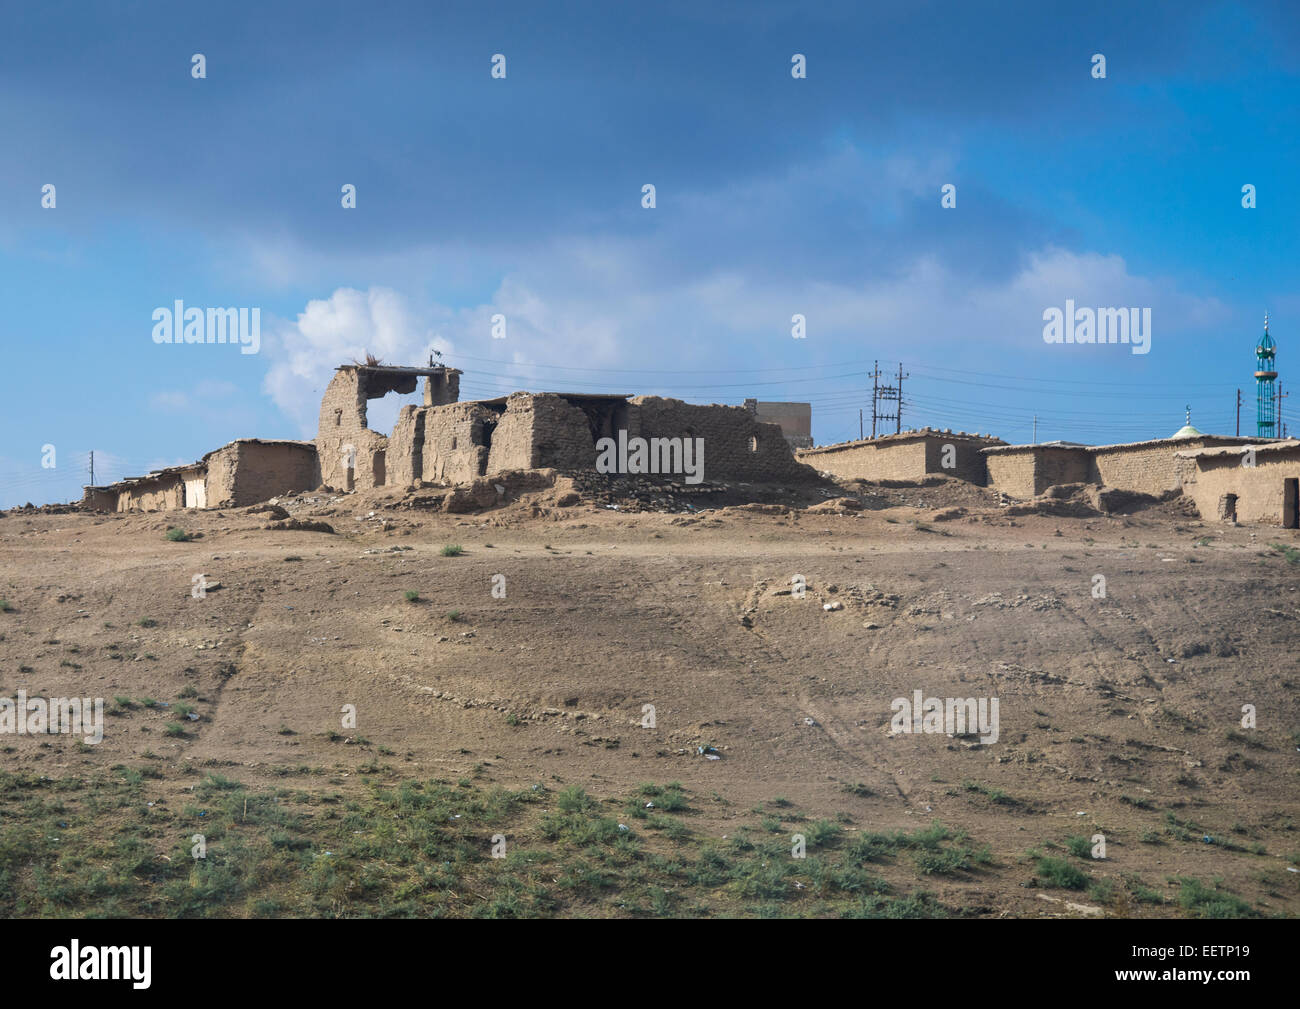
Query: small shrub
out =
(178, 535)
(411, 596)
(1060, 873)
(452, 550)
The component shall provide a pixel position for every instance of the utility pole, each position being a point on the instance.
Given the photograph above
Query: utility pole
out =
(859, 424)
(1035, 429)
(898, 420)
(1238, 413)
(886, 394)
(1277, 412)
(92, 467)
(875, 391)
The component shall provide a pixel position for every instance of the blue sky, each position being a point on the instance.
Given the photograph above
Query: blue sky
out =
(522, 196)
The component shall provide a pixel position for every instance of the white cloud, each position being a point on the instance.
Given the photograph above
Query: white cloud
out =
(557, 316)
(343, 328)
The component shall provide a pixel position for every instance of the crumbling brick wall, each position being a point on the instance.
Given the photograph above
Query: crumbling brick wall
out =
(440, 390)
(246, 472)
(457, 439)
(342, 424)
(160, 494)
(99, 499)
(737, 447)
(512, 440)
(542, 430)
(404, 457)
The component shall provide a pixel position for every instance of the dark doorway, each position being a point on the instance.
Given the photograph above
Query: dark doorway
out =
(1290, 513)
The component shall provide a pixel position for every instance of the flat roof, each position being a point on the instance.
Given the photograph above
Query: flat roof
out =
(1236, 439)
(498, 400)
(400, 369)
(901, 436)
(1226, 450)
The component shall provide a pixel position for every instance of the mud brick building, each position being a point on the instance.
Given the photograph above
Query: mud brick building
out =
(1234, 484)
(1150, 467)
(351, 455)
(446, 441)
(911, 455)
(243, 472)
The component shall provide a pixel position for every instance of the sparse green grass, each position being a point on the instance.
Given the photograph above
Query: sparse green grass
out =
(452, 550)
(1057, 872)
(1210, 901)
(372, 846)
(147, 622)
(419, 849)
(995, 795)
(5, 606)
(1291, 554)
(178, 535)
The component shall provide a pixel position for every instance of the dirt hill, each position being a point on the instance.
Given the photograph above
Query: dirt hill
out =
(510, 696)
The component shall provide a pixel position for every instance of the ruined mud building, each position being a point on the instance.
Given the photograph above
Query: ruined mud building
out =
(447, 441)
(243, 472)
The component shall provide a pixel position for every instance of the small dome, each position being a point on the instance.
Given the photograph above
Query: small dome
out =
(1187, 431)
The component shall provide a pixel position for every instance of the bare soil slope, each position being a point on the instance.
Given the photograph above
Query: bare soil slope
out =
(1120, 714)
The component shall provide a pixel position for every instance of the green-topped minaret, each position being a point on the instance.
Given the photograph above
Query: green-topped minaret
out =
(1265, 380)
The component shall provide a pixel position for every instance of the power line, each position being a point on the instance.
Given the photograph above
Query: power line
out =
(918, 366)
